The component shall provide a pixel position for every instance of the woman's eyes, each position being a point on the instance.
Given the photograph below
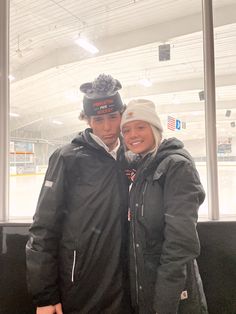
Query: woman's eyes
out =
(138, 128)
(125, 131)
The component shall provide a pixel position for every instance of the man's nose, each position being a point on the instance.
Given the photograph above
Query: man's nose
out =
(107, 125)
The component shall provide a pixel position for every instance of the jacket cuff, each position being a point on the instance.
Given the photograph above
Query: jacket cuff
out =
(43, 301)
(166, 300)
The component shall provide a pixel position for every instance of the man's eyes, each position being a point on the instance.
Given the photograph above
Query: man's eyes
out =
(98, 119)
(113, 116)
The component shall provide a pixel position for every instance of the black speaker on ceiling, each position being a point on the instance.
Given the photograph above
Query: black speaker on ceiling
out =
(228, 113)
(164, 52)
(201, 95)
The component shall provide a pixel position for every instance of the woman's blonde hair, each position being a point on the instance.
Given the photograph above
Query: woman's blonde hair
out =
(157, 137)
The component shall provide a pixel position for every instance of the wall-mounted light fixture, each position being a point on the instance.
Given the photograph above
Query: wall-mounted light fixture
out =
(57, 122)
(13, 114)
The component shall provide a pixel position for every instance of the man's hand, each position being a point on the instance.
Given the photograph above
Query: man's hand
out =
(50, 309)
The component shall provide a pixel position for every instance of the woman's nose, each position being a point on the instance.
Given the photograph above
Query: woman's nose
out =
(132, 133)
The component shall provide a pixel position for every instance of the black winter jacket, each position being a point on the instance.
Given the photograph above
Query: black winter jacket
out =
(76, 250)
(164, 202)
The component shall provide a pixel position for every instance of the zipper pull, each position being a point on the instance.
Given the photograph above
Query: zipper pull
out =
(142, 210)
(143, 193)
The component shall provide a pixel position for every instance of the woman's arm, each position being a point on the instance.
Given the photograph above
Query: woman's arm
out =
(183, 194)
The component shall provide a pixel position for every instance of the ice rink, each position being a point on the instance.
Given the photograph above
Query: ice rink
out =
(24, 191)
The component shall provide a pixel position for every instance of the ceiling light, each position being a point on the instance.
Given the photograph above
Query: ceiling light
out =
(57, 122)
(145, 82)
(13, 114)
(83, 42)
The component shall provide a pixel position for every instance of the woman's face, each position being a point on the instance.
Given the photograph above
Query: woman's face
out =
(138, 136)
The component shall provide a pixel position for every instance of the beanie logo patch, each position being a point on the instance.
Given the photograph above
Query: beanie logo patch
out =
(104, 106)
(93, 107)
(129, 115)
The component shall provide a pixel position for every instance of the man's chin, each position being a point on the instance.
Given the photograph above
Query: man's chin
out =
(110, 142)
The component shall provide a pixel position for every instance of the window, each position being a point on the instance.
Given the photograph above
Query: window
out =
(156, 54)
(225, 69)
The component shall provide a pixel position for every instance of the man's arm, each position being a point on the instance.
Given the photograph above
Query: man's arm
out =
(42, 247)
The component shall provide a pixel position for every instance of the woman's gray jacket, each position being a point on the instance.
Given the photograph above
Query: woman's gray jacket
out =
(76, 250)
(164, 201)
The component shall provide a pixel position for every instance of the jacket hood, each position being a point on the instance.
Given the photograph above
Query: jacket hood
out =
(84, 139)
(168, 147)
(171, 146)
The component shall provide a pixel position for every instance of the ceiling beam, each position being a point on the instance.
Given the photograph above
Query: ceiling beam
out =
(126, 93)
(65, 131)
(180, 109)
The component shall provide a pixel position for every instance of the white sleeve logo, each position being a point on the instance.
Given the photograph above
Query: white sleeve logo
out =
(48, 183)
(184, 295)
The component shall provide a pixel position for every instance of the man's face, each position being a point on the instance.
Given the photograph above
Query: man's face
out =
(106, 127)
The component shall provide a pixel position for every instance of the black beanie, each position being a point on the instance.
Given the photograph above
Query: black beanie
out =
(101, 96)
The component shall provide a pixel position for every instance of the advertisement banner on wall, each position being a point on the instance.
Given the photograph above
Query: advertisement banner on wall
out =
(23, 147)
(224, 146)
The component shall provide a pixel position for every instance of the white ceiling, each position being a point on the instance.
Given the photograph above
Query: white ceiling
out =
(49, 68)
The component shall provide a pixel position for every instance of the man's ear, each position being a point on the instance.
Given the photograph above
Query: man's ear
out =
(82, 116)
(89, 121)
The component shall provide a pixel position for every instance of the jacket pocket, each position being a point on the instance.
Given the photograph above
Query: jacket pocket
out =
(194, 301)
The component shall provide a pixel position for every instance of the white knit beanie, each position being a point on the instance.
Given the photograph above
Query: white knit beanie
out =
(141, 109)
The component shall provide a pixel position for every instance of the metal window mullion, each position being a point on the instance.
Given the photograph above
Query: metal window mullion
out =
(210, 109)
(4, 108)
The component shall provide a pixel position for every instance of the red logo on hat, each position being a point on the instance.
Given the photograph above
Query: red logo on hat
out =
(103, 102)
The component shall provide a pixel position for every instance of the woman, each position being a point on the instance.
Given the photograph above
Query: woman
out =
(164, 199)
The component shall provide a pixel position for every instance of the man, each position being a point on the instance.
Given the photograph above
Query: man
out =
(76, 252)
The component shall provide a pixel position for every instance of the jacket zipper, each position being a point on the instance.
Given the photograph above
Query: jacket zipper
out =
(143, 193)
(73, 267)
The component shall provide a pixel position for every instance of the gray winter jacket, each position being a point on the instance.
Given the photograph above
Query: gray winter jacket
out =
(164, 201)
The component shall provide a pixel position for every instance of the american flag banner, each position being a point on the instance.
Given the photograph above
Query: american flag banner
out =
(171, 123)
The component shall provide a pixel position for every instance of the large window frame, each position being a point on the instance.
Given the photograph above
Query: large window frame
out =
(4, 109)
(210, 110)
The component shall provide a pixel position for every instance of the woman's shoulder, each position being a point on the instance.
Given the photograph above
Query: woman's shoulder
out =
(172, 161)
